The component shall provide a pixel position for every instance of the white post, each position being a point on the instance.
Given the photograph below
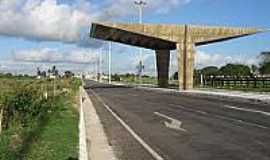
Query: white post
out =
(110, 61)
(140, 5)
(100, 65)
(141, 51)
(202, 80)
(96, 68)
(1, 118)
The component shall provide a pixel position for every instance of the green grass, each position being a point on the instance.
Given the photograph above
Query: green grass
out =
(52, 137)
(58, 139)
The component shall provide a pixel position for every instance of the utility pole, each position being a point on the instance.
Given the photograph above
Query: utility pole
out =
(96, 67)
(140, 4)
(110, 62)
(100, 65)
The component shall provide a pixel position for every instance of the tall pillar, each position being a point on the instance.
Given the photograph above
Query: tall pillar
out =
(163, 62)
(185, 50)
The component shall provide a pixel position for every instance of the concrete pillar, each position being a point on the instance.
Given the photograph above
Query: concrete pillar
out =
(186, 52)
(163, 63)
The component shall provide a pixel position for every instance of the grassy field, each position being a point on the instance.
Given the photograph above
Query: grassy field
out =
(43, 124)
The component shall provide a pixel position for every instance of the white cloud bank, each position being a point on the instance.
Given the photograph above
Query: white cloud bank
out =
(46, 55)
(42, 20)
(48, 20)
(85, 60)
(203, 59)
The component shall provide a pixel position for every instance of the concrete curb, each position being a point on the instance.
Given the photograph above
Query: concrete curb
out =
(253, 98)
(97, 146)
(83, 155)
(245, 97)
(263, 99)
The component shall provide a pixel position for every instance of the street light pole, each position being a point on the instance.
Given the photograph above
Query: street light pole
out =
(100, 65)
(141, 4)
(110, 62)
(96, 68)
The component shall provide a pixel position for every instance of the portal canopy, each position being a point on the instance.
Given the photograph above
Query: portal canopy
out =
(163, 38)
(159, 36)
(134, 38)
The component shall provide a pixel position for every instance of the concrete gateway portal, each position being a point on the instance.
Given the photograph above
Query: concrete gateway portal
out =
(163, 38)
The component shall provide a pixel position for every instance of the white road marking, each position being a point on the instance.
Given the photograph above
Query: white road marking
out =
(222, 117)
(175, 124)
(247, 110)
(154, 154)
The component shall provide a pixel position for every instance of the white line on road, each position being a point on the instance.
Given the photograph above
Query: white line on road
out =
(222, 117)
(247, 110)
(130, 130)
(164, 116)
(175, 124)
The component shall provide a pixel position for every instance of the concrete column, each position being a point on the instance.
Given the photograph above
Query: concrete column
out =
(163, 63)
(186, 52)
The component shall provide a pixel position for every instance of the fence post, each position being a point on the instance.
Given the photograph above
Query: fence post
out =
(255, 83)
(1, 118)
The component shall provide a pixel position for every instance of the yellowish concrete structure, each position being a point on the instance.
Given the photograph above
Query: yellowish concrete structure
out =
(163, 38)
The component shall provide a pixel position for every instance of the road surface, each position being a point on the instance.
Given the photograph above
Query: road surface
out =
(172, 126)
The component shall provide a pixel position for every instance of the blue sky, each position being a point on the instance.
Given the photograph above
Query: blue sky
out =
(41, 33)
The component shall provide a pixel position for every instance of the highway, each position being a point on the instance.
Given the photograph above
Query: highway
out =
(144, 125)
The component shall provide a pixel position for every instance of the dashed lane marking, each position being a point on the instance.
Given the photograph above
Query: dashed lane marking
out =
(221, 117)
(247, 110)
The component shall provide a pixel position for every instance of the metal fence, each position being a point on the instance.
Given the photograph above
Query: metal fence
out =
(235, 82)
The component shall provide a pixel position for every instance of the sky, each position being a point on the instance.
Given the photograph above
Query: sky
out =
(43, 33)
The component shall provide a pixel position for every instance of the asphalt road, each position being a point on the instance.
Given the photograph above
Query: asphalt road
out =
(211, 129)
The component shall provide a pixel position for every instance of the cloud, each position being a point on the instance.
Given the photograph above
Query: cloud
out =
(49, 20)
(203, 59)
(42, 20)
(46, 55)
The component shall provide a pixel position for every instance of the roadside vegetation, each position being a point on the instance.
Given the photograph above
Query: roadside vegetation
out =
(39, 118)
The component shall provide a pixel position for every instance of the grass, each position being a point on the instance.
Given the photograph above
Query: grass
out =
(58, 139)
(52, 137)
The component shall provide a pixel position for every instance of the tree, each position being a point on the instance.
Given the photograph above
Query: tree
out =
(235, 70)
(254, 69)
(53, 71)
(38, 72)
(210, 71)
(140, 68)
(265, 63)
(265, 69)
(69, 74)
(43, 73)
(116, 77)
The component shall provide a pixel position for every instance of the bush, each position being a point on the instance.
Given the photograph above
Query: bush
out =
(24, 106)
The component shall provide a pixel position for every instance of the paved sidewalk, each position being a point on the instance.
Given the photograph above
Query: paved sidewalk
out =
(254, 97)
(97, 146)
(250, 96)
